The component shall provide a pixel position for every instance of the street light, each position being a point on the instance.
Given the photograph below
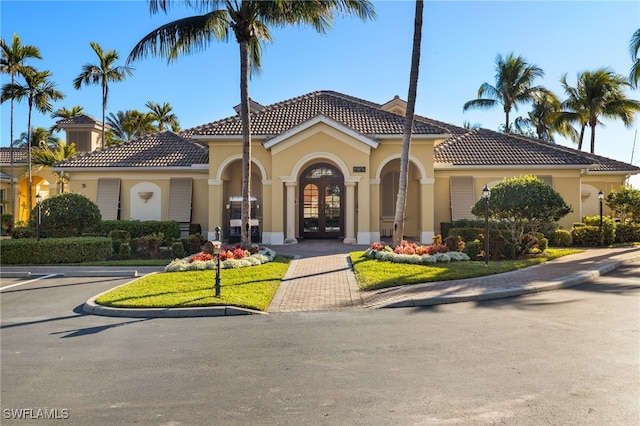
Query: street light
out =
(217, 249)
(601, 197)
(39, 204)
(486, 194)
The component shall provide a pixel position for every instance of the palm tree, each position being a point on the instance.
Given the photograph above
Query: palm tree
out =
(634, 47)
(163, 116)
(598, 93)
(39, 91)
(102, 74)
(63, 113)
(48, 156)
(39, 137)
(131, 124)
(401, 200)
(249, 21)
(12, 62)
(542, 122)
(514, 85)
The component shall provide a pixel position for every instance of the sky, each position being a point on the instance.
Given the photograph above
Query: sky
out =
(368, 60)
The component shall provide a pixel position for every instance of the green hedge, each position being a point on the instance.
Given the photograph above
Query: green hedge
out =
(608, 227)
(627, 233)
(136, 228)
(47, 251)
(586, 236)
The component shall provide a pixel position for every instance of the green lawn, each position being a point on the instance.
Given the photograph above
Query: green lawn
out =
(372, 274)
(251, 287)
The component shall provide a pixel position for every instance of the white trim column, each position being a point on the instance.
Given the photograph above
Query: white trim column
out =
(291, 214)
(350, 215)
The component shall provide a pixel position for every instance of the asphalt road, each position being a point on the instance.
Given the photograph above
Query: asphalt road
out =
(568, 357)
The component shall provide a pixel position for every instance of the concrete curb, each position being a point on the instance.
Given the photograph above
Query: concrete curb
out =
(75, 273)
(564, 282)
(91, 307)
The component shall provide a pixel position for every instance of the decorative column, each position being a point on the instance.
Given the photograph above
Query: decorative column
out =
(349, 235)
(291, 214)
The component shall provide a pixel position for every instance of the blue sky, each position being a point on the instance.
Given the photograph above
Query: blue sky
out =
(368, 60)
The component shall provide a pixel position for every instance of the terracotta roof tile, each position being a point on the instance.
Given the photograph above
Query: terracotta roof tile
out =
(20, 155)
(362, 116)
(165, 149)
(80, 119)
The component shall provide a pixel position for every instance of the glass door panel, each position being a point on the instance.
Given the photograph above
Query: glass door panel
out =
(311, 208)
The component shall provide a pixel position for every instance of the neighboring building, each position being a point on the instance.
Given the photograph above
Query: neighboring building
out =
(325, 165)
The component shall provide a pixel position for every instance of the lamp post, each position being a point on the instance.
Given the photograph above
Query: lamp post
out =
(217, 249)
(39, 205)
(486, 194)
(601, 198)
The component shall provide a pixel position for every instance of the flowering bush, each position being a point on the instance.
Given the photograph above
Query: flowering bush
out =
(413, 253)
(230, 257)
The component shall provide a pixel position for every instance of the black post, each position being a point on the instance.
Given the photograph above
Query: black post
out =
(601, 197)
(38, 224)
(486, 232)
(218, 263)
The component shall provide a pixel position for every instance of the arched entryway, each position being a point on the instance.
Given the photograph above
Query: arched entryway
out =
(322, 202)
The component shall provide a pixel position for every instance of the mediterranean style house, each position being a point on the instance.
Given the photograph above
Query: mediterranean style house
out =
(324, 165)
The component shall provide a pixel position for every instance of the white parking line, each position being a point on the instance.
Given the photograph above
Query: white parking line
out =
(30, 281)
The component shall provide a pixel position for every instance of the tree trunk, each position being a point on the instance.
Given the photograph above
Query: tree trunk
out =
(12, 184)
(581, 137)
(104, 111)
(401, 201)
(245, 236)
(593, 139)
(30, 179)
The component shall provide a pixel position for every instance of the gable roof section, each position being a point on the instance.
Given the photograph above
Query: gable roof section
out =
(482, 147)
(165, 149)
(363, 117)
(83, 120)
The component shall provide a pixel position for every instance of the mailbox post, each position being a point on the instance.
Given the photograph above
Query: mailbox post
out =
(217, 249)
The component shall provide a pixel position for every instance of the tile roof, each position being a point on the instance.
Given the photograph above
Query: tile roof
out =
(362, 116)
(20, 155)
(482, 147)
(165, 149)
(81, 119)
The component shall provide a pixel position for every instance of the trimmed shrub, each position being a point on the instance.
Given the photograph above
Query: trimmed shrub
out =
(124, 251)
(543, 244)
(6, 223)
(472, 249)
(454, 243)
(120, 237)
(150, 244)
(608, 227)
(193, 244)
(467, 234)
(28, 251)
(66, 215)
(496, 245)
(177, 250)
(22, 232)
(509, 251)
(627, 233)
(586, 236)
(195, 228)
(170, 229)
(561, 238)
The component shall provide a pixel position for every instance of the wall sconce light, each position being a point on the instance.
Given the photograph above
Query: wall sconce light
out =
(228, 206)
(84, 185)
(145, 195)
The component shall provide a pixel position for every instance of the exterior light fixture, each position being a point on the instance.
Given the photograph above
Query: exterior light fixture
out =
(39, 205)
(486, 194)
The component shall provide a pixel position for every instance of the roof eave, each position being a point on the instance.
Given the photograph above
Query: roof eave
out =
(203, 168)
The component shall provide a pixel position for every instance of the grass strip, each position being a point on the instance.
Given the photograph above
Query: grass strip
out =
(372, 274)
(251, 287)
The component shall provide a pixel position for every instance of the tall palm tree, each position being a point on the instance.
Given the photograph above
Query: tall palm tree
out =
(401, 200)
(63, 113)
(39, 91)
(598, 93)
(12, 62)
(634, 47)
(49, 155)
(514, 85)
(163, 116)
(102, 74)
(249, 21)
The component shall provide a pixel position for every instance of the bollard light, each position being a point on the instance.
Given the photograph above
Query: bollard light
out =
(601, 198)
(486, 194)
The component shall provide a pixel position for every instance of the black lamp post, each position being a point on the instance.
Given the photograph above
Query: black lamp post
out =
(217, 249)
(600, 197)
(39, 205)
(486, 194)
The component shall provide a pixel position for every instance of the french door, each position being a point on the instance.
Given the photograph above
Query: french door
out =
(321, 209)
